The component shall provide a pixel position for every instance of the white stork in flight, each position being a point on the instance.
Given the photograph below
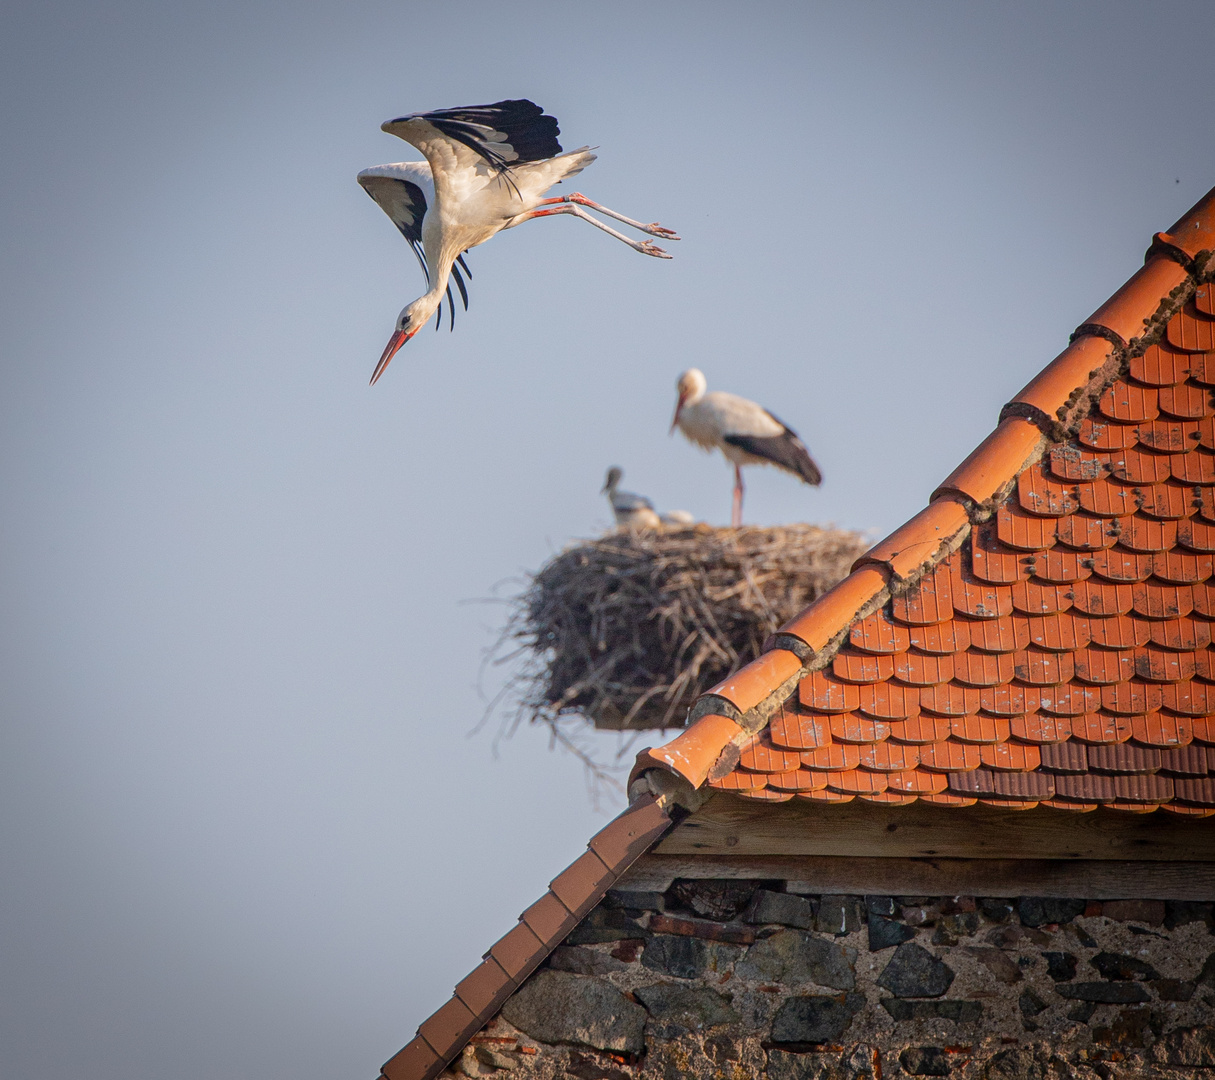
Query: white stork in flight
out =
(746, 433)
(486, 168)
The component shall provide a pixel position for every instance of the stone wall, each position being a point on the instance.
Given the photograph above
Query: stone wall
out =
(734, 979)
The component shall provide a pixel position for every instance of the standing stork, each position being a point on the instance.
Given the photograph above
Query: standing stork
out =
(746, 433)
(486, 168)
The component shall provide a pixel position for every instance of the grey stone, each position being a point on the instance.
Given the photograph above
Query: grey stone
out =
(1174, 989)
(1017, 1063)
(914, 972)
(1104, 993)
(996, 910)
(839, 914)
(1180, 912)
(880, 905)
(815, 1019)
(1080, 934)
(864, 1063)
(687, 957)
(962, 1012)
(582, 961)
(1060, 966)
(783, 1065)
(712, 898)
(925, 1061)
(689, 1008)
(1120, 966)
(606, 924)
(778, 907)
(793, 956)
(1083, 1012)
(1206, 977)
(998, 962)
(1194, 1047)
(495, 1059)
(1030, 1004)
(1040, 910)
(635, 899)
(560, 1007)
(961, 925)
(884, 933)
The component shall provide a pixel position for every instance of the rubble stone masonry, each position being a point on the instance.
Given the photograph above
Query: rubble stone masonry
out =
(737, 979)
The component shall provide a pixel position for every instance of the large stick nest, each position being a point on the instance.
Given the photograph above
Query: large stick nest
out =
(630, 629)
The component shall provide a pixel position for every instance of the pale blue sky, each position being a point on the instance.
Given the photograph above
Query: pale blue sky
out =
(246, 831)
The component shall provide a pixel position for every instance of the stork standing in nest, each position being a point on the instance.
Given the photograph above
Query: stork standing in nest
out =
(746, 433)
(486, 168)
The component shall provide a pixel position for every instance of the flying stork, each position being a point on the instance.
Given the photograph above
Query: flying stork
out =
(746, 433)
(486, 168)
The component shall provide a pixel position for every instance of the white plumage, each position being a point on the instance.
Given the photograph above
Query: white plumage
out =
(486, 168)
(633, 511)
(746, 433)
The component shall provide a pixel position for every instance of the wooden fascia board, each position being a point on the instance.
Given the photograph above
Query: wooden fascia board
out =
(1089, 879)
(730, 825)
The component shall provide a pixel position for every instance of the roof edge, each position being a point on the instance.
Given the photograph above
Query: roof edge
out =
(542, 927)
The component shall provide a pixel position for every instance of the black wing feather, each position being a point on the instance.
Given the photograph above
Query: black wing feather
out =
(786, 451)
(530, 134)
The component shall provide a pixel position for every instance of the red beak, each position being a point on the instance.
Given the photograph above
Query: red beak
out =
(678, 410)
(399, 337)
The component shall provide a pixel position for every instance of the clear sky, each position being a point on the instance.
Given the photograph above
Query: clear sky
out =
(246, 827)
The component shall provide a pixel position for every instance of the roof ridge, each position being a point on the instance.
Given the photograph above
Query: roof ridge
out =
(1045, 412)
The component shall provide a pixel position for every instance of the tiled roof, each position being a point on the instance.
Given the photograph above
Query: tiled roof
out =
(1041, 633)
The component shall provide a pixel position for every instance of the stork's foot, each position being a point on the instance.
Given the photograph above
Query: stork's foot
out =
(646, 248)
(654, 229)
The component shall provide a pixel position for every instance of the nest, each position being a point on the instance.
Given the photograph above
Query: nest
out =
(630, 629)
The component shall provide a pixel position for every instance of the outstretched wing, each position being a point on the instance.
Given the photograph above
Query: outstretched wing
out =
(786, 451)
(503, 134)
(404, 190)
(397, 190)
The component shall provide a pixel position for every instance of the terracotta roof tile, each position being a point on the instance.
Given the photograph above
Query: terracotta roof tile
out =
(1011, 756)
(1119, 632)
(1131, 306)
(1041, 729)
(1194, 232)
(916, 782)
(879, 634)
(930, 600)
(1192, 760)
(798, 780)
(795, 729)
(1086, 533)
(1192, 330)
(1064, 757)
(980, 729)
(1160, 365)
(749, 686)
(1160, 729)
(1053, 390)
(1198, 791)
(833, 612)
(1123, 758)
(944, 637)
(763, 757)
(889, 757)
(950, 699)
(1099, 433)
(924, 728)
(950, 755)
(921, 542)
(1196, 535)
(1004, 453)
(1098, 728)
(855, 728)
(837, 757)
(889, 701)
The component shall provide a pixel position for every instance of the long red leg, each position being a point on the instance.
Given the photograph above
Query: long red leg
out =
(736, 516)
